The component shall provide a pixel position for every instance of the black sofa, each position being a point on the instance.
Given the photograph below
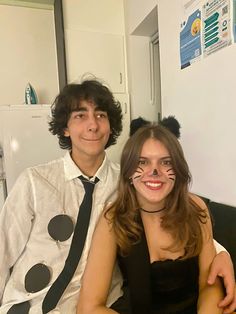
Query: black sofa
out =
(224, 226)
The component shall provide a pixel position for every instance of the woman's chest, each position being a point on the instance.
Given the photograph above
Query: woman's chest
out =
(160, 243)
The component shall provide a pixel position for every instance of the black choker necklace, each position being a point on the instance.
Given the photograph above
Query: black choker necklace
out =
(152, 211)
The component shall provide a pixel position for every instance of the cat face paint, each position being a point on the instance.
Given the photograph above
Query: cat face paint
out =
(155, 173)
(154, 178)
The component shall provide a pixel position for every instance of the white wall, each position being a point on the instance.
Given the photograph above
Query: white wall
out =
(202, 97)
(27, 54)
(136, 11)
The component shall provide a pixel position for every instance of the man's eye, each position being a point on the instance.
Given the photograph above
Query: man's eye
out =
(79, 116)
(101, 115)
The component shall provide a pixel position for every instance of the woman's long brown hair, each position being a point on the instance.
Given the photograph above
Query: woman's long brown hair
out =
(182, 217)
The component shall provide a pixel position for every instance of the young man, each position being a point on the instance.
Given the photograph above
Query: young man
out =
(39, 216)
(38, 219)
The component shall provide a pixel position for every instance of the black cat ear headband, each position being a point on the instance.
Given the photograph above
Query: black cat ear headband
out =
(169, 122)
(172, 125)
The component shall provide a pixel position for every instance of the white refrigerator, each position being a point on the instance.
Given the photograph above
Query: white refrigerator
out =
(25, 140)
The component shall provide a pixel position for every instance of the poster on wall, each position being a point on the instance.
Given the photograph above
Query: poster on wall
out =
(190, 39)
(216, 26)
(207, 26)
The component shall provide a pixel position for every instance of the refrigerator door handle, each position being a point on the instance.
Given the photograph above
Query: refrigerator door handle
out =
(125, 104)
(3, 185)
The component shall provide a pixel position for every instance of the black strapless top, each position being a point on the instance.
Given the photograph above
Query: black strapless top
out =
(174, 286)
(162, 287)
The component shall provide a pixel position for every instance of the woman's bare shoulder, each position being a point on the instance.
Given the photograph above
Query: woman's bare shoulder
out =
(198, 200)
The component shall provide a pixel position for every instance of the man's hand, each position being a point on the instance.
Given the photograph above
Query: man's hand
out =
(232, 306)
(222, 266)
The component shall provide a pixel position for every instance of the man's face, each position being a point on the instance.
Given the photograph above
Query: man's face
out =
(89, 130)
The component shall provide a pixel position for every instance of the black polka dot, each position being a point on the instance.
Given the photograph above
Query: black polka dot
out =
(21, 308)
(61, 227)
(37, 278)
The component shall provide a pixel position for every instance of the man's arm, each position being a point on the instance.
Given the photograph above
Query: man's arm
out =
(209, 296)
(15, 224)
(219, 247)
(222, 266)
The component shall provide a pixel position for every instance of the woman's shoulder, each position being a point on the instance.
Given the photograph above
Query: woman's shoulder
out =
(198, 200)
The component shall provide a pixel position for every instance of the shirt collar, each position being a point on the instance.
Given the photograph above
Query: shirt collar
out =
(72, 171)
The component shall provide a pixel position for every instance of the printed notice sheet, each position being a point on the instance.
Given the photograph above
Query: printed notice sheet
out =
(190, 39)
(216, 26)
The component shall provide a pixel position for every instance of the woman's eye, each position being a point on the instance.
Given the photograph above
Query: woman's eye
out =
(166, 163)
(142, 162)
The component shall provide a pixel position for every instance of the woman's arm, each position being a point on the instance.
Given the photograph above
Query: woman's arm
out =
(98, 272)
(209, 296)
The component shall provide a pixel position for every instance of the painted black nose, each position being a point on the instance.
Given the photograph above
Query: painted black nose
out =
(155, 173)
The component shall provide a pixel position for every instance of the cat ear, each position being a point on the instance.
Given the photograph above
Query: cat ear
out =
(172, 125)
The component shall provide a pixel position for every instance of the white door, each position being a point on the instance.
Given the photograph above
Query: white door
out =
(114, 152)
(155, 74)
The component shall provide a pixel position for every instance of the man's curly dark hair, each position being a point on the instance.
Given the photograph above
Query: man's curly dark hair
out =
(69, 100)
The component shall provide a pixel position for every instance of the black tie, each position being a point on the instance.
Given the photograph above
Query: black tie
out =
(77, 244)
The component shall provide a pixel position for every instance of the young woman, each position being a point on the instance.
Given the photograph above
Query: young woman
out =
(160, 233)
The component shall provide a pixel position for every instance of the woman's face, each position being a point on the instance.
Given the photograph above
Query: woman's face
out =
(154, 178)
